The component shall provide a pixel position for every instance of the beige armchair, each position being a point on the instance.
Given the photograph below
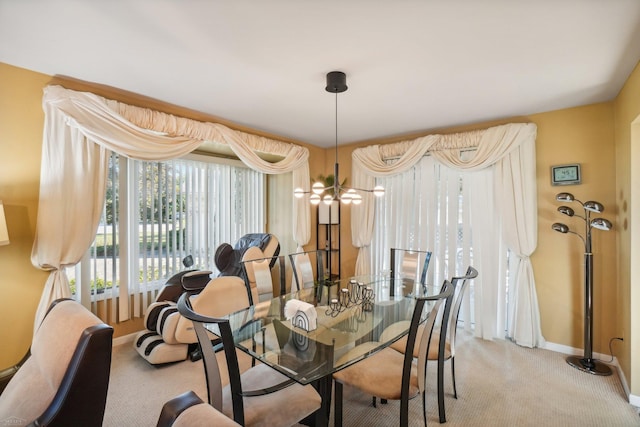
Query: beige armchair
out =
(65, 380)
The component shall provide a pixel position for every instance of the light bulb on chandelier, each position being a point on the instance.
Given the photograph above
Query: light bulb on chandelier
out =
(336, 83)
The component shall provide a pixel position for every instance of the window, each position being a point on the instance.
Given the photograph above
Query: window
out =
(432, 207)
(157, 213)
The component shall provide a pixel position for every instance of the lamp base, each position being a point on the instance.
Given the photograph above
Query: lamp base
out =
(591, 366)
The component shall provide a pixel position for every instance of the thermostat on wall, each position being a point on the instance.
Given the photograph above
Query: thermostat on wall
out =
(566, 174)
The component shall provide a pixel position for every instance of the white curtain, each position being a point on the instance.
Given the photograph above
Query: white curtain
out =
(81, 129)
(509, 153)
(517, 174)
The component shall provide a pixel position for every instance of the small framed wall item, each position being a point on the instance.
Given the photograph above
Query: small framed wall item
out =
(566, 174)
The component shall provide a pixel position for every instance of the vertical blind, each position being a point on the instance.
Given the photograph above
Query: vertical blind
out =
(157, 213)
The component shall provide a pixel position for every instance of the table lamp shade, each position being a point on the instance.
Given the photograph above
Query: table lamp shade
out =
(4, 234)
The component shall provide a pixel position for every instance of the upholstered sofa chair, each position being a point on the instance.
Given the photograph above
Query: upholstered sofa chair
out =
(65, 380)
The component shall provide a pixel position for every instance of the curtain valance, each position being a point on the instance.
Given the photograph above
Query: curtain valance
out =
(145, 134)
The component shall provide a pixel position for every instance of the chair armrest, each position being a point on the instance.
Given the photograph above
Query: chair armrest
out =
(174, 407)
(196, 412)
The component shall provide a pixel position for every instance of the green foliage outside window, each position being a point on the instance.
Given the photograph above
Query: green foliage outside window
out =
(99, 285)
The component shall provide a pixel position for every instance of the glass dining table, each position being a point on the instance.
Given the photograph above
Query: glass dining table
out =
(351, 316)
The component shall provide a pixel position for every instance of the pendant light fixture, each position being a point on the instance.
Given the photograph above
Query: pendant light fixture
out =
(336, 83)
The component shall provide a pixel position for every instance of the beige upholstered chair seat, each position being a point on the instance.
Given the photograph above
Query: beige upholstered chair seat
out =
(203, 415)
(259, 410)
(367, 376)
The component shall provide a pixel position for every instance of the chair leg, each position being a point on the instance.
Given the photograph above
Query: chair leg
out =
(373, 400)
(384, 401)
(440, 390)
(337, 406)
(424, 408)
(404, 412)
(453, 377)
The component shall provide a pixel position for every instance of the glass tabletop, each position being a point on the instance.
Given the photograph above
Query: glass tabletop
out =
(351, 316)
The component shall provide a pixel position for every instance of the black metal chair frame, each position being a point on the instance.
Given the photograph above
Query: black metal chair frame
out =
(461, 282)
(446, 294)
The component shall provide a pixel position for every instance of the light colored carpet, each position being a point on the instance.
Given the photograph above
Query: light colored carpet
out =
(499, 384)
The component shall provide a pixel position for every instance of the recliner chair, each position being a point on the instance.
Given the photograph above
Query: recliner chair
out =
(229, 259)
(168, 337)
(164, 340)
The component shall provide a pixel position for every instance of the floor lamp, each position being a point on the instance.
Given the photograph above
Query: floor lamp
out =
(586, 363)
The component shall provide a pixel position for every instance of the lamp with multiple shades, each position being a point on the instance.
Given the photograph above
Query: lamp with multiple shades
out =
(586, 363)
(336, 83)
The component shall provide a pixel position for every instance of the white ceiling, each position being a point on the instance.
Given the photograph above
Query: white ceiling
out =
(411, 65)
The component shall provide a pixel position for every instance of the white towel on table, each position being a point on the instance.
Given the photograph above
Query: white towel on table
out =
(302, 314)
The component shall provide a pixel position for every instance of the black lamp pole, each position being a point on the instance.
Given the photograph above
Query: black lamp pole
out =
(586, 363)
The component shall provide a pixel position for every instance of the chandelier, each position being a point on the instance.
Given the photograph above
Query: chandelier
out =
(336, 83)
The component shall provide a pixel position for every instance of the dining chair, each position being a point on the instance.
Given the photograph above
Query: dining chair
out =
(448, 332)
(260, 396)
(405, 265)
(390, 374)
(303, 269)
(259, 272)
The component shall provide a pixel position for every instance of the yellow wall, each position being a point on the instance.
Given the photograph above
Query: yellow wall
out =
(627, 116)
(578, 135)
(588, 135)
(21, 123)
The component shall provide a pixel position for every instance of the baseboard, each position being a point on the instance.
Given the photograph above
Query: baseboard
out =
(125, 339)
(564, 349)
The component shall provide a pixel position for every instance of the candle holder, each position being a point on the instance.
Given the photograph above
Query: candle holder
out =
(355, 294)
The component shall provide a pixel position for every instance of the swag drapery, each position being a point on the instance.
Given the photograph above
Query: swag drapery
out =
(81, 130)
(508, 151)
